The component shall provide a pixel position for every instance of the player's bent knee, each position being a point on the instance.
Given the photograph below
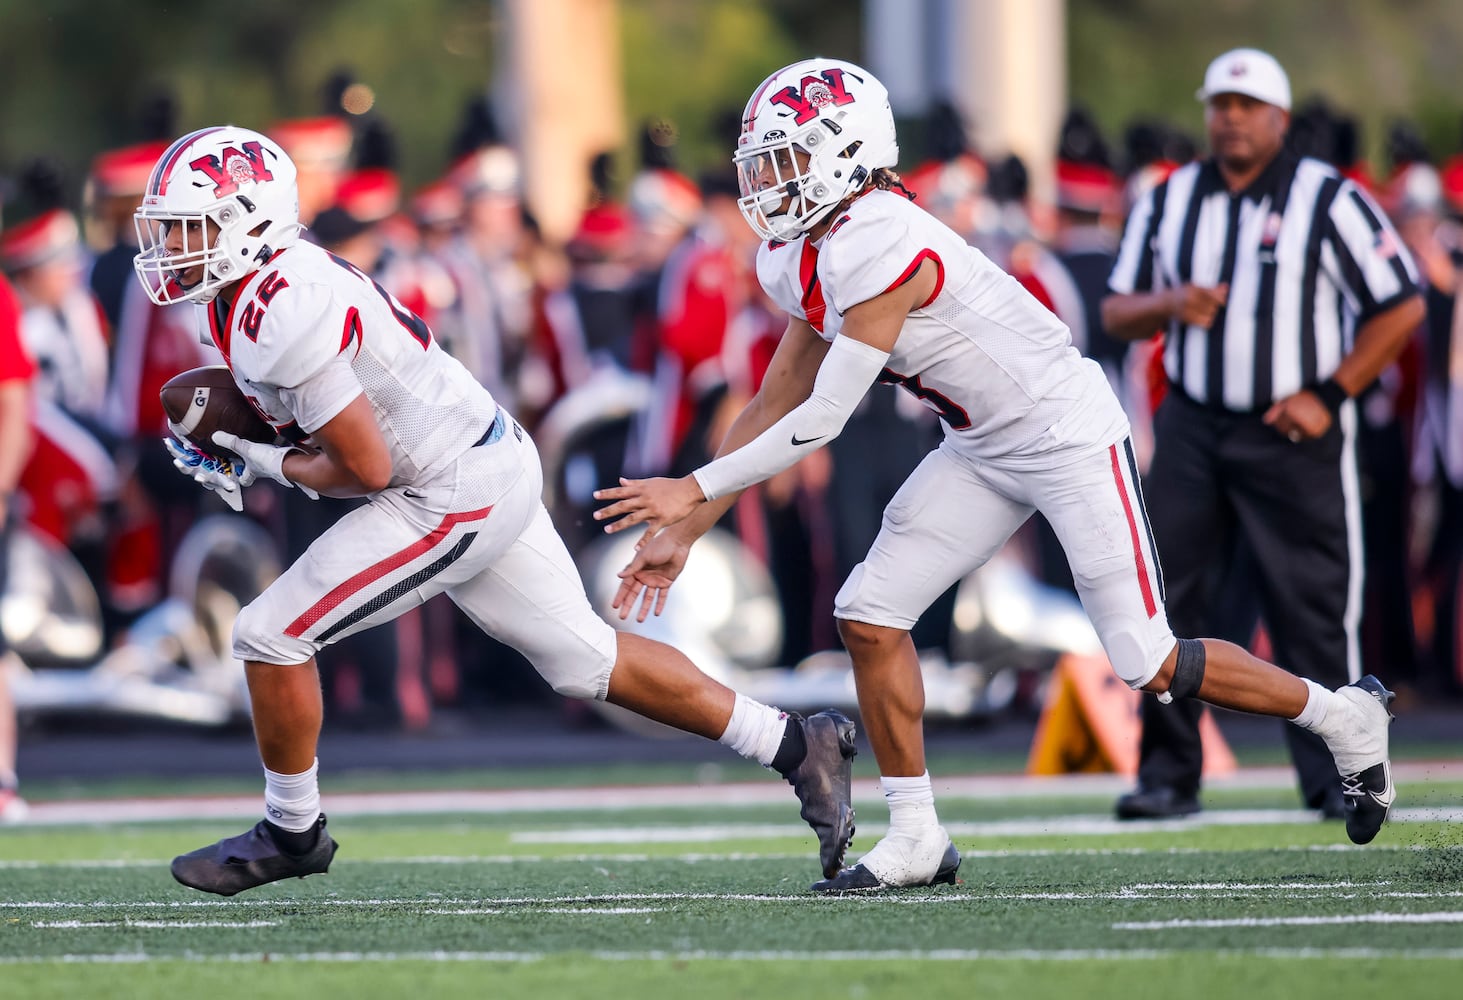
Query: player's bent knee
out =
(580, 686)
(1135, 652)
(260, 639)
(579, 670)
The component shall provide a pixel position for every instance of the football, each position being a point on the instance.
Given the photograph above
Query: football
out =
(204, 400)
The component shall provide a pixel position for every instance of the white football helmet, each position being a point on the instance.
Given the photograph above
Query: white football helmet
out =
(239, 188)
(833, 113)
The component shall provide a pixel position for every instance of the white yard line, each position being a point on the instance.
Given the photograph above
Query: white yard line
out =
(1450, 917)
(649, 796)
(1068, 825)
(666, 901)
(801, 957)
(150, 924)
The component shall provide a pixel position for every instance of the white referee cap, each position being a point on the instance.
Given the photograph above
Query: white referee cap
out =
(1250, 72)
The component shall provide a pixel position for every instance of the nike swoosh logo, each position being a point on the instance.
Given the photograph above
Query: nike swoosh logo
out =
(413, 494)
(796, 441)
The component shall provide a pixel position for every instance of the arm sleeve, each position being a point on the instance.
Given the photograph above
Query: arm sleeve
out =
(846, 373)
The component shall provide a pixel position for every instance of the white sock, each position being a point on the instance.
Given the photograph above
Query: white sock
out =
(755, 731)
(1318, 704)
(911, 802)
(292, 801)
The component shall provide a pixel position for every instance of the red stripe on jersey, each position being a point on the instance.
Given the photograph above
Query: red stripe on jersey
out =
(920, 258)
(813, 305)
(352, 330)
(1149, 604)
(355, 584)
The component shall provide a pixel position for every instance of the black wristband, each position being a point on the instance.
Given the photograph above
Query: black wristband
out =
(1331, 393)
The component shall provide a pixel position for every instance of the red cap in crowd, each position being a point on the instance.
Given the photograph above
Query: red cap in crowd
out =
(38, 240)
(1452, 178)
(664, 200)
(437, 203)
(119, 173)
(603, 233)
(1086, 187)
(314, 142)
(370, 194)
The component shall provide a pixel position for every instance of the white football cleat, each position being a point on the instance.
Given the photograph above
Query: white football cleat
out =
(1360, 749)
(902, 859)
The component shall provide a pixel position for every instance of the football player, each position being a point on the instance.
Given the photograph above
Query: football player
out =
(878, 290)
(336, 364)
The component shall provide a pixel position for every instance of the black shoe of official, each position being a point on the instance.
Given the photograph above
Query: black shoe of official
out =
(823, 782)
(860, 879)
(252, 859)
(1161, 802)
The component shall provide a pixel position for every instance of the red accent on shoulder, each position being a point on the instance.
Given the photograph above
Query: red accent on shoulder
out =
(351, 331)
(813, 305)
(914, 265)
(835, 227)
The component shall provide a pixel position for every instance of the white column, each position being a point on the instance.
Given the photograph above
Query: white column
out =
(560, 101)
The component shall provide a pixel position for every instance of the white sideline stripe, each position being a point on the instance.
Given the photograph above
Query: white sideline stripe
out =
(865, 790)
(1450, 917)
(1079, 825)
(942, 955)
(610, 910)
(451, 906)
(73, 924)
(696, 857)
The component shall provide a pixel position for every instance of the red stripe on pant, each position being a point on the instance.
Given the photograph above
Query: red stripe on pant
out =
(1149, 604)
(355, 584)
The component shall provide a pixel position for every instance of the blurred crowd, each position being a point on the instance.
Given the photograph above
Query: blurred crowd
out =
(655, 288)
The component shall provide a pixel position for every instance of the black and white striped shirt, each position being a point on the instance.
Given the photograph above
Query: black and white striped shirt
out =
(1308, 257)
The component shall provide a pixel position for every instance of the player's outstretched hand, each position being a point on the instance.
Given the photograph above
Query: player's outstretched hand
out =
(217, 474)
(658, 561)
(260, 460)
(652, 503)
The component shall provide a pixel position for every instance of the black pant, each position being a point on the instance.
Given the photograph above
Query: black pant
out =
(1218, 479)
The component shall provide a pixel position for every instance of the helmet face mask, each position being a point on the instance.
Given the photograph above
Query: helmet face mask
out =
(812, 134)
(219, 203)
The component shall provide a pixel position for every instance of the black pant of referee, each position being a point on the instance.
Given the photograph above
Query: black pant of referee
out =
(1215, 474)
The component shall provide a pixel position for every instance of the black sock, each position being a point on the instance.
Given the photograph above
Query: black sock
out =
(794, 746)
(294, 843)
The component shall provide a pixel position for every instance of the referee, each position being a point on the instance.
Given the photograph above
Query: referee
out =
(1283, 292)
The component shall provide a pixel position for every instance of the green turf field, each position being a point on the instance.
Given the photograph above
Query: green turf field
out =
(708, 900)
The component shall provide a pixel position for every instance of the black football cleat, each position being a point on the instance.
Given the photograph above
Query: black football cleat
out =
(860, 879)
(251, 859)
(823, 782)
(1366, 774)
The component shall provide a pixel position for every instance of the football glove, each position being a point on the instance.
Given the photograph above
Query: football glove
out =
(217, 474)
(260, 460)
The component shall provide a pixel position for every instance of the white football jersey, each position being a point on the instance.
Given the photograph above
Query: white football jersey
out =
(309, 332)
(997, 366)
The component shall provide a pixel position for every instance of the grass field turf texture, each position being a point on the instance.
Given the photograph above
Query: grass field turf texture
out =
(708, 900)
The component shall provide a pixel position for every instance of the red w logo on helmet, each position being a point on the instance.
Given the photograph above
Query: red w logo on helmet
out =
(813, 94)
(233, 167)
